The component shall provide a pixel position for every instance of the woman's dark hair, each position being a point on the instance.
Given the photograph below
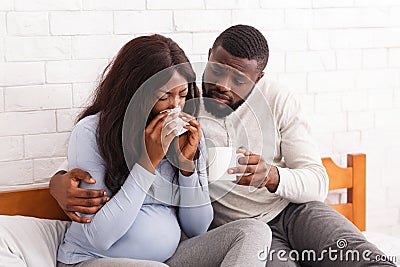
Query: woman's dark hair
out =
(131, 70)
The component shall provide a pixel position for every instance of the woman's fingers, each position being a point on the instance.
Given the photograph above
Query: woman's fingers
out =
(168, 139)
(159, 118)
(194, 132)
(192, 121)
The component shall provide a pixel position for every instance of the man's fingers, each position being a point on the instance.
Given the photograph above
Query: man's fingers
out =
(82, 175)
(87, 193)
(249, 160)
(250, 180)
(76, 218)
(85, 210)
(243, 169)
(87, 202)
(244, 151)
(244, 180)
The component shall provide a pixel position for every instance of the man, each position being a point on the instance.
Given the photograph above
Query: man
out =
(281, 180)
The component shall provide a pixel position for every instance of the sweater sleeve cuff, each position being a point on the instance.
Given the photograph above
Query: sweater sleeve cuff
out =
(285, 178)
(188, 181)
(141, 177)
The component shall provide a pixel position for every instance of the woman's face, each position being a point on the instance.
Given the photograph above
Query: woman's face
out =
(172, 94)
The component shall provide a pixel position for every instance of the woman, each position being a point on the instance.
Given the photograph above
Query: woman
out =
(127, 140)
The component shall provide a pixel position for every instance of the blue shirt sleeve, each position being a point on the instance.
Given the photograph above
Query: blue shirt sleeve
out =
(195, 210)
(124, 206)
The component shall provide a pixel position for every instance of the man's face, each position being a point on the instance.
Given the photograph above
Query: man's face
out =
(227, 81)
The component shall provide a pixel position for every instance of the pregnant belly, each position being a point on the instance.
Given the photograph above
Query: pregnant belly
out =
(154, 235)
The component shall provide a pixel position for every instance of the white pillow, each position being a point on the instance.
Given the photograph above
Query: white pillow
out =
(29, 242)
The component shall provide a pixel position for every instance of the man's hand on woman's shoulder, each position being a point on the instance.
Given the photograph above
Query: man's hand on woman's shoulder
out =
(64, 187)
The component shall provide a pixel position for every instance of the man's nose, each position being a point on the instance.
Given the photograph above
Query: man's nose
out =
(223, 84)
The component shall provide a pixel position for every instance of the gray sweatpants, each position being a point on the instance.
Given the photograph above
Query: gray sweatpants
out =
(236, 243)
(301, 231)
(114, 262)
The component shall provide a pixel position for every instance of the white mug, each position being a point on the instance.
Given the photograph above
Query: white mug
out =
(220, 159)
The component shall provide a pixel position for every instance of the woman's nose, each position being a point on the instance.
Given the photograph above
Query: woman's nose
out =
(174, 102)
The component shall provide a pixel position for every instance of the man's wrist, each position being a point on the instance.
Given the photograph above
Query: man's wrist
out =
(60, 172)
(273, 179)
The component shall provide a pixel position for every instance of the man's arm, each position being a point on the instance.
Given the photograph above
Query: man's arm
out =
(64, 187)
(303, 178)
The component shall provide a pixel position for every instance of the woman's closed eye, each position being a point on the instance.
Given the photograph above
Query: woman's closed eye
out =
(165, 97)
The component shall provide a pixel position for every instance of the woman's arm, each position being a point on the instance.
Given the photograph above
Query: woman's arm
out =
(124, 206)
(195, 210)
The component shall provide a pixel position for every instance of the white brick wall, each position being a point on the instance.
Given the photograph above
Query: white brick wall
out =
(45, 5)
(176, 4)
(210, 20)
(74, 70)
(38, 48)
(66, 119)
(82, 93)
(16, 172)
(38, 97)
(6, 5)
(349, 59)
(263, 19)
(11, 148)
(12, 74)
(113, 4)
(127, 22)
(46, 145)
(341, 57)
(1, 100)
(27, 23)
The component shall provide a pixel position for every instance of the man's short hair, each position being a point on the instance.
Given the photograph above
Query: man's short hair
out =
(245, 42)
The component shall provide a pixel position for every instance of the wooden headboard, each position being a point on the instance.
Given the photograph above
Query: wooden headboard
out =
(36, 202)
(39, 203)
(352, 178)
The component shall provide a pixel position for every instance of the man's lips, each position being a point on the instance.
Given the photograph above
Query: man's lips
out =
(221, 98)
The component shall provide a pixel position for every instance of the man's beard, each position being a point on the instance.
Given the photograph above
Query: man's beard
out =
(214, 107)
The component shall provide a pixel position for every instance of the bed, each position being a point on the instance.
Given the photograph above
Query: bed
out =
(39, 203)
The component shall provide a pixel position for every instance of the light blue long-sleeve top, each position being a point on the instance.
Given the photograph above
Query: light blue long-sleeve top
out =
(143, 220)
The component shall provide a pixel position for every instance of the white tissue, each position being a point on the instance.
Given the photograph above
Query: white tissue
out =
(179, 122)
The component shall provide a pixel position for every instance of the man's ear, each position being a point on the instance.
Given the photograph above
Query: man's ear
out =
(209, 53)
(260, 75)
